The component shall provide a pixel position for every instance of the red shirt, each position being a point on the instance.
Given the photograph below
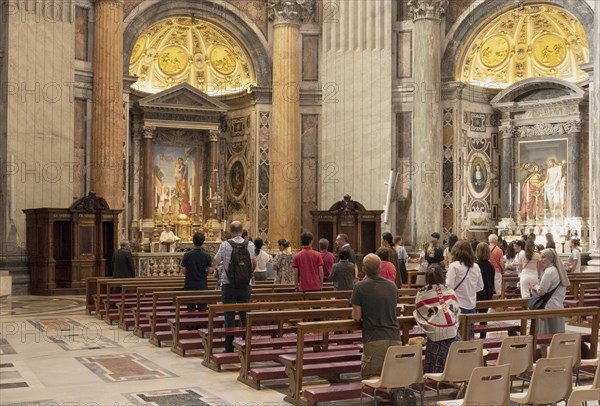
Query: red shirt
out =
(328, 260)
(307, 262)
(387, 270)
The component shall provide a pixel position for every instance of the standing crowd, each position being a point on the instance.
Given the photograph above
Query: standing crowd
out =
(455, 278)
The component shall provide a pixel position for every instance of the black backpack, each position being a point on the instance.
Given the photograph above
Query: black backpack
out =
(239, 271)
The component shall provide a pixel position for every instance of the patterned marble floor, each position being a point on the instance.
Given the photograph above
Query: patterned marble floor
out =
(51, 353)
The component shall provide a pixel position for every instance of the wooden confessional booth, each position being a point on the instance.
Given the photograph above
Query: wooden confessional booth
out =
(347, 216)
(65, 246)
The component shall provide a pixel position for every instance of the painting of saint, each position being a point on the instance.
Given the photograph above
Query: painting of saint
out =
(542, 177)
(478, 175)
(174, 177)
(532, 191)
(237, 179)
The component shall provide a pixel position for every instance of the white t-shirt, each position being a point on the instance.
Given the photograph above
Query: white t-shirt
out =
(467, 291)
(575, 257)
(261, 261)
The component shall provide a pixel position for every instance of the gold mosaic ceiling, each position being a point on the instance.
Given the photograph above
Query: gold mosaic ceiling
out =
(530, 41)
(197, 52)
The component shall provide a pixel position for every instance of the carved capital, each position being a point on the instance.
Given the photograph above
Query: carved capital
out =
(433, 9)
(290, 11)
(507, 131)
(213, 136)
(148, 132)
(115, 2)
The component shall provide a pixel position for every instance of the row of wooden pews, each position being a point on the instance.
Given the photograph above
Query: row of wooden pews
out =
(293, 335)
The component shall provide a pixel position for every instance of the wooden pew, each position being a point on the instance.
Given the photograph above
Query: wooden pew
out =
(90, 292)
(103, 294)
(109, 300)
(208, 336)
(131, 301)
(335, 392)
(534, 315)
(252, 350)
(170, 307)
(192, 340)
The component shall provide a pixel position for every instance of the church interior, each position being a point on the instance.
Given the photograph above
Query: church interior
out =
(119, 118)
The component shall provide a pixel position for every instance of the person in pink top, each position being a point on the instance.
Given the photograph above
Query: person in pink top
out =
(387, 270)
(328, 258)
(497, 261)
(308, 266)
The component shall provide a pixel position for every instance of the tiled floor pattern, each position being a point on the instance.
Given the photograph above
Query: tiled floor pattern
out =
(124, 367)
(71, 335)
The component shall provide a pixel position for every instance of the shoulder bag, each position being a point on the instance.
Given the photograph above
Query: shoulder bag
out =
(539, 302)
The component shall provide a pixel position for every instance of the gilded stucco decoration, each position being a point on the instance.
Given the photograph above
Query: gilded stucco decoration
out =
(529, 41)
(198, 52)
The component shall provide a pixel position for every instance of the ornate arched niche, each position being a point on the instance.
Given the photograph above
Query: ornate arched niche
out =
(541, 157)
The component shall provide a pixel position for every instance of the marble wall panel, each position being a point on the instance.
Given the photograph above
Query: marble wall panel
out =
(404, 54)
(403, 197)
(310, 57)
(81, 33)
(310, 130)
(40, 113)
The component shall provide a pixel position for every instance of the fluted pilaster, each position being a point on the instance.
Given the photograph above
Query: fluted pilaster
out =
(594, 146)
(213, 148)
(148, 202)
(427, 134)
(108, 130)
(284, 202)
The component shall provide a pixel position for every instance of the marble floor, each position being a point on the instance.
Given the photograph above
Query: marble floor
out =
(52, 353)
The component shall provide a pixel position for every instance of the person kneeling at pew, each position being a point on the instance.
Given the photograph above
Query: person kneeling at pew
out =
(374, 303)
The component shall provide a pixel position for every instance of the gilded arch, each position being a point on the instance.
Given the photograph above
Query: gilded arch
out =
(487, 11)
(219, 13)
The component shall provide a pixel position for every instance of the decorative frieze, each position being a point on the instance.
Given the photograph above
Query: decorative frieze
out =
(290, 11)
(435, 9)
(548, 129)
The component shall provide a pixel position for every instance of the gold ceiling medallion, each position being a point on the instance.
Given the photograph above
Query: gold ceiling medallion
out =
(550, 50)
(528, 41)
(190, 50)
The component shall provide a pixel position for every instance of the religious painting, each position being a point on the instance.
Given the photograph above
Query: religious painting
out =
(174, 179)
(541, 188)
(478, 175)
(237, 179)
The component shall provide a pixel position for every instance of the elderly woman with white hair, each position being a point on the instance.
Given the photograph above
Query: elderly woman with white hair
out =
(554, 281)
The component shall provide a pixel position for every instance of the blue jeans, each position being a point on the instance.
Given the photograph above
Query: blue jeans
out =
(471, 325)
(234, 295)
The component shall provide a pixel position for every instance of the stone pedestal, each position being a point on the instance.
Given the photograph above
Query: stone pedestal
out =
(427, 135)
(108, 129)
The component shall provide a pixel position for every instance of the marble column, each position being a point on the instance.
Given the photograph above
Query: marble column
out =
(594, 146)
(508, 185)
(427, 116)
(574, 198)
(108, 130)
(285, 168)
(148, 187)
(213, 164)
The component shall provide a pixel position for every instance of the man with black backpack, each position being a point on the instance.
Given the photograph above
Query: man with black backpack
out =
(236, 257)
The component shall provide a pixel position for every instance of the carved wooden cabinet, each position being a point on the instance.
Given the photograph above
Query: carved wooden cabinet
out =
(65, 246)
(347, 216)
